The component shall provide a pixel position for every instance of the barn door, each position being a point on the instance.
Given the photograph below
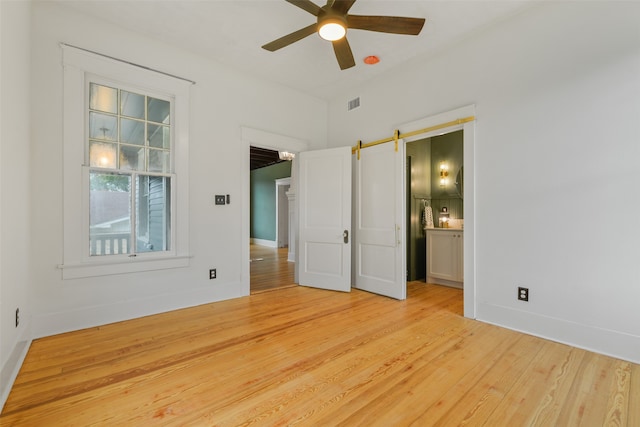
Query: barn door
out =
(380, 220)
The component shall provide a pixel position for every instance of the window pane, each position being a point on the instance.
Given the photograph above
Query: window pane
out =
(131, 132)
(131, 158)
(109, 214)
(103, 98)
(153, 217)
(102, 154)
(131, 104)
(158, 161)
(158, 136)
(158, 110)
(102, 126)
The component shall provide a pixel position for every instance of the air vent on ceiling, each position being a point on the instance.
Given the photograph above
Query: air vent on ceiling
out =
(353, 104)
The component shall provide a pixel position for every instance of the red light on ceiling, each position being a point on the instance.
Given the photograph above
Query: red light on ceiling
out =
(372, 59)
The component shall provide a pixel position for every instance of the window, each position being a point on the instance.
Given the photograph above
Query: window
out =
(129, 156)
(126, 137)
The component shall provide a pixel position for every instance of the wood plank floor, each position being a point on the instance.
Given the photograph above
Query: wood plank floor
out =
(302, 356)
(270, 269)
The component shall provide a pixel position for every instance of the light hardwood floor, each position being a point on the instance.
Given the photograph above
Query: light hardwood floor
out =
(270, 269)
(302, 356)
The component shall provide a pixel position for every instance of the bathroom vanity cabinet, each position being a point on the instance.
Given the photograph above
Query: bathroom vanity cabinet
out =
(445, 257)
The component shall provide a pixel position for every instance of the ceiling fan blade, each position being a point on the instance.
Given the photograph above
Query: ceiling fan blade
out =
(307, 5)
(386, 24)
(290, 38)
(343, 53)
(342, 6)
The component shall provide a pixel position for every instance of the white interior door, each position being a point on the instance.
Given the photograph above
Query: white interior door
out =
(380, 221)
(325, 219)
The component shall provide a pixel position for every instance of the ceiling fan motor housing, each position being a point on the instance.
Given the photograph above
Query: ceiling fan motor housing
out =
(328, 16)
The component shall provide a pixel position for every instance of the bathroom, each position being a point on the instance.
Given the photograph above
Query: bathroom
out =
(434, 179)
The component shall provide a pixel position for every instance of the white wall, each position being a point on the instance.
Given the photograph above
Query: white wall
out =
(223, 100)
(15, 28)
(557, 95)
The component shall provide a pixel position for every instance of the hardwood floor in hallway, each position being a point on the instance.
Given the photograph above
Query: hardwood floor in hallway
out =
(270, 269)
(304, 356)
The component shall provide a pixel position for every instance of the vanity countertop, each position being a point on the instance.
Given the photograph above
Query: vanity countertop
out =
(444, 229)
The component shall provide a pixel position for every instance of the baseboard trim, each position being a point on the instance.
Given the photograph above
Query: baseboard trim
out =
(608, 342)
(88, 317)
(10, 370)
(444, 282)
(262, 242)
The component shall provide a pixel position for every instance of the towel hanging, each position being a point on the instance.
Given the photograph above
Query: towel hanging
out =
(428, 217)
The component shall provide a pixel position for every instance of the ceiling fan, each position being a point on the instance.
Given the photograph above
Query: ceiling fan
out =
(333, 21)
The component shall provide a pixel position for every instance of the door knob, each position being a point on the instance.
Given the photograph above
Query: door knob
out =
(345, 236)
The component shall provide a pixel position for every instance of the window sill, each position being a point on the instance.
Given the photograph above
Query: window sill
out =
(106, 268)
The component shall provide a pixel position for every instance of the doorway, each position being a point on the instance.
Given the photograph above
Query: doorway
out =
(460, 119)
(434, 196)
(252, 137)
(270, 178)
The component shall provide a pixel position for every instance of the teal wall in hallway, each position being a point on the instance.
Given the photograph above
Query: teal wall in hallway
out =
(263, 199)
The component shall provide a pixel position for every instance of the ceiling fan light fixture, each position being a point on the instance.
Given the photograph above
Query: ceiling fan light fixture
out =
(332, 29)
(332, 22)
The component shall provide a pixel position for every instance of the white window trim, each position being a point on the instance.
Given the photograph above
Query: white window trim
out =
(78, 65)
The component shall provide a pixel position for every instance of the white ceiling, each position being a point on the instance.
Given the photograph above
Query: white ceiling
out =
(233, 31)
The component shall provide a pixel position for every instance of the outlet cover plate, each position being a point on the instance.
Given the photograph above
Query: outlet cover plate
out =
(523, 293)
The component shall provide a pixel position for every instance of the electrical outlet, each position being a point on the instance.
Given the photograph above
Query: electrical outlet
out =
(212, 274)
(17, 317)
(220, 199)
(523, 294)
